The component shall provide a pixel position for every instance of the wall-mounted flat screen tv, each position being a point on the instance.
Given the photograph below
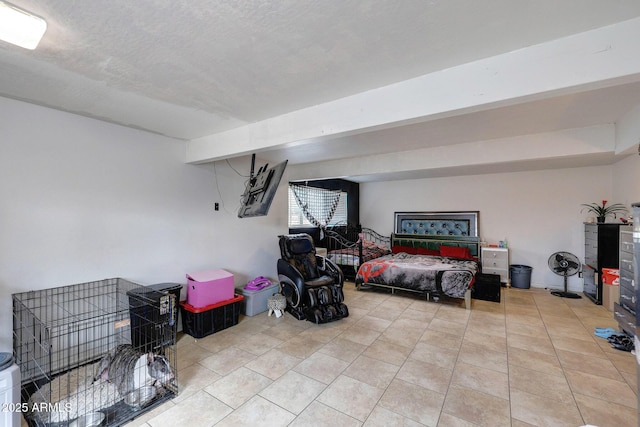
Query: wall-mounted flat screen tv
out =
(260, 190)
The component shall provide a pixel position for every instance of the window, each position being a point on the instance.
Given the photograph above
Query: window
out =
(297, 218)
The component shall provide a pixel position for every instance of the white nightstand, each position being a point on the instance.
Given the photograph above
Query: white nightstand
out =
(496, 261)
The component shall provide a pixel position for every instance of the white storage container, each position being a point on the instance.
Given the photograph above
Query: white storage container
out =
(255, 302)
(10, 395)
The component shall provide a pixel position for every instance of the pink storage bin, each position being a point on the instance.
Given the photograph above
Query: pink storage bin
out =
(209, 287)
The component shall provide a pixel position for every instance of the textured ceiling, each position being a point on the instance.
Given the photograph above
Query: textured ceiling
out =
(188, 69)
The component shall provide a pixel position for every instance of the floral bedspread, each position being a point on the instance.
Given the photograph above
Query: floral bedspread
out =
(427, 273)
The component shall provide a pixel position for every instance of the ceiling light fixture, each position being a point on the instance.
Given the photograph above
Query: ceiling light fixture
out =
(20, 27)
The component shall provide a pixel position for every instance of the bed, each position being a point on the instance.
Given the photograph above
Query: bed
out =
(348, 247)
(434, 253)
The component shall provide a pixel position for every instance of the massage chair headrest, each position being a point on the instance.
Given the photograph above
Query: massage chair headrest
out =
(295, 244)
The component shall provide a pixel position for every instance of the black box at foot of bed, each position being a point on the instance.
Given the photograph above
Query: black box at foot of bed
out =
(486, 287)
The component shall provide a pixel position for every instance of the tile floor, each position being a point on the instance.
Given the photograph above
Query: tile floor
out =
(397, 360)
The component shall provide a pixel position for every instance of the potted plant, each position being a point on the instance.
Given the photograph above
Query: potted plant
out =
(601, 212)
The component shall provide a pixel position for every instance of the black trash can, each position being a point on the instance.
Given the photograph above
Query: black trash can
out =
(153, 311)
(520, 276)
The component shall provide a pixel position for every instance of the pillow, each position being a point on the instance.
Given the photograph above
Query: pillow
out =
(407, 249)
(373, 246)
(455, 252)
(425, 251)
(369, 244)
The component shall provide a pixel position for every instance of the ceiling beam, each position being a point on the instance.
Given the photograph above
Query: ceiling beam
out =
(568, 145)
(599, 58)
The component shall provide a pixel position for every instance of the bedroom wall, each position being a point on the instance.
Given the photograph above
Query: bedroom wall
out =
(626, 172)
(628, 131)
(626, 180)
(538, 212)
(83, 200)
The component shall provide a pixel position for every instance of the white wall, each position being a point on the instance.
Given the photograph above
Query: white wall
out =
(537, 212)
(248, 247)
(626, 180)
(628, 131)
(83, 200)
(626, 173)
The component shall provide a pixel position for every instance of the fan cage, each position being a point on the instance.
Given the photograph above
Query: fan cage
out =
(555, 263)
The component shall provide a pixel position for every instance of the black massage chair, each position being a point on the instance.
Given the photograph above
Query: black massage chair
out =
(311, 283)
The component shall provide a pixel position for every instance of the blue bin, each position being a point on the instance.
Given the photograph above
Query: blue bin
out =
(520, 276)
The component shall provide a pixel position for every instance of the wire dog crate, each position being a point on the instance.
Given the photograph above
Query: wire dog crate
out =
(104, 349)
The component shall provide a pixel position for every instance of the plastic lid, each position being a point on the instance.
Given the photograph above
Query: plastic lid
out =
(154, 291)
(236, 298)
(144, 292)
(209, 275)
(165, 287)
(6, 360)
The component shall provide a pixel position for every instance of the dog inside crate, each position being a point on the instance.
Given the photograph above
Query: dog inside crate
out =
(104, 349)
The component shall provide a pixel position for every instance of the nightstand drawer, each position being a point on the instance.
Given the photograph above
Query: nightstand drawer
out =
(500, 262)
(502, 272)
(494, 256)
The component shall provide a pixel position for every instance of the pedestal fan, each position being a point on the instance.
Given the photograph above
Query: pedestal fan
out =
(564, 264)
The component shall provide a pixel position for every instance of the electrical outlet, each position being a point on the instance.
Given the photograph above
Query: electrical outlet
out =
(216, 206)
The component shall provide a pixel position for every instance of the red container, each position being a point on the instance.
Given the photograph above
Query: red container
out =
(209, 287)
(609, 275)
(200, 322)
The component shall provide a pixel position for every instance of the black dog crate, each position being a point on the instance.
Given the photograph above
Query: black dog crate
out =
(154, 315)
(486, 287)
(60, 336)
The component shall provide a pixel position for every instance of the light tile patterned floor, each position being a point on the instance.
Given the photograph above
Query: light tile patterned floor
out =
(397, 360)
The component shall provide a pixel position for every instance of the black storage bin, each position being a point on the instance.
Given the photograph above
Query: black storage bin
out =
(486, 287)
(153, 311)
(200, 322)
(520, 276)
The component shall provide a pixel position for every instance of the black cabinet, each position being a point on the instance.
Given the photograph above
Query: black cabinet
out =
(601, 250)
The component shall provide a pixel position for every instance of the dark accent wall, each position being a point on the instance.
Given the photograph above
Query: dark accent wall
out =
(353, 202)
